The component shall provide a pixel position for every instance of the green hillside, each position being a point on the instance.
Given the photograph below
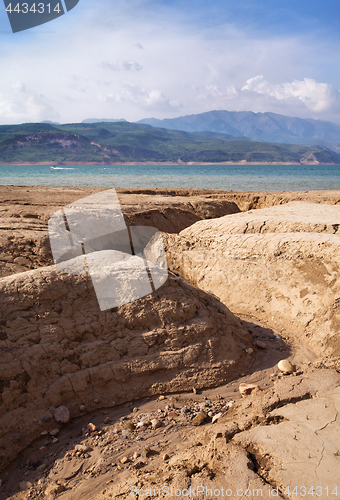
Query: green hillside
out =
(106, 143)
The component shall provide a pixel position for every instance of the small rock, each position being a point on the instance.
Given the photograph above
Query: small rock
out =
(135, 409)
(194, 390)
(124, 460)
(129, 426)
(55, 440)
(248, 389)
(135, 455)
(82, 448)
(107, 420)
(210, 414)
(54, 432)
(260, 344)
(54, 489)
(200, 418)
(285, 366)
(24, 485)
(62, 415)
(147, 451)
(42, 448)
(139, 464)
(202, 405)
(208, 402)
(249, 350)
(91, 427)
(96, 401)
(166, 457)
(82, 407)
(216, 417)
(45, 418)
(161, 397)
(42, 467)
(156, 423)
(172, 414)
(184, 409)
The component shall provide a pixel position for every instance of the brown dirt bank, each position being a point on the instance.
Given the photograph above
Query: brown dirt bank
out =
(57, 348)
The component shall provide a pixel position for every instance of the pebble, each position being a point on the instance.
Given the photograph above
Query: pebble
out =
(147, 451)
(45, 418)
(24, 485)
(135, 455)
(91, 427)
(285, 366)
(210, 414)
(129, 426)
(54, 432)
(194, 390)
(249, 350)
(260, 344)
(166, 457)
(200, 418)
(184, 409)
(62, 415)
(161, 397)
(42, 448)
(82, 448)
(82, 407)
(208, 402)
(55, 489)
(156, 423)
(172, 414)
(107, 420)
(124, 460)
(202, 405)
(96, 401)
(248, 389)
(216, 417)
(135, 409)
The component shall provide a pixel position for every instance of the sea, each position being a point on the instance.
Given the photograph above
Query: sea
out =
(225, 177)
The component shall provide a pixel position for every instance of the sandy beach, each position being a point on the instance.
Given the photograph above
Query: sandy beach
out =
(179, 391)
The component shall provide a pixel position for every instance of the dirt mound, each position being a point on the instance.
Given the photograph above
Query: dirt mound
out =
(25, 211)
(289, 280)
(293, 217)
(58, 348)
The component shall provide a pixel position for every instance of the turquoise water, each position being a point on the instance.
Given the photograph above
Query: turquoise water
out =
(227, 177)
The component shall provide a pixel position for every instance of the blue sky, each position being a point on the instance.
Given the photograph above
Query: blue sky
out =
(142, 58)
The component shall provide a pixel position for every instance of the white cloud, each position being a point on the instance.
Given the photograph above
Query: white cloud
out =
(153, 98)
(156, 64)
(23, 108)
(315, 96)
(121, 66)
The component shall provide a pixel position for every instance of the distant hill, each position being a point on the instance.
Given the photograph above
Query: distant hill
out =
(110, 143)
(270, 127)
(103, 120)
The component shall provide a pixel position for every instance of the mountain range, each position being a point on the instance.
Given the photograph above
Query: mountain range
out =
(269, 127)
(121, 142)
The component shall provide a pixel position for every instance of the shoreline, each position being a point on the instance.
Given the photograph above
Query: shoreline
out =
(190, 163)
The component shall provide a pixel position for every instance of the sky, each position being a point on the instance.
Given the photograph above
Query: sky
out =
(136, 59)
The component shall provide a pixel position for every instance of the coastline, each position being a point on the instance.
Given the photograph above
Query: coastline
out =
(243, 162)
